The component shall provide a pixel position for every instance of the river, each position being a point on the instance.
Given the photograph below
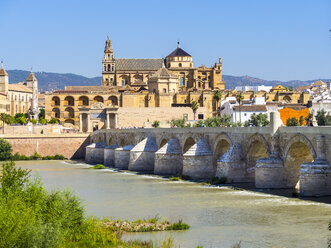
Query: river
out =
(219, 217)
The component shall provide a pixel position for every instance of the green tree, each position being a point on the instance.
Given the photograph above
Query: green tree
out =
(291, 88)
(321, 117)
(21, 120)
(218, 97)
(41, 113)
(178, 123)
(292, 122)
(309, 119)
(194, 107)
(260, 120)
(156, 124)
(240, 99)
(5, 150)
(301, 121)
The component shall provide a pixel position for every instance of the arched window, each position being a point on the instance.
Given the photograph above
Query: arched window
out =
(55, 113)
(108, 67)
(108, 56)
(180, 64)
(112, 68)
(182, 81)
(104, 68)
(69, 101)
(55, 101)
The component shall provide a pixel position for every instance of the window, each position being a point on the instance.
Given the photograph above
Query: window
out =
(209, 83)
(180, 64)
(245, 114)
(199, 84)
(112, 68)
(199, 77)
(123, 82)
(106, 79)
(108, 56)
(164, 90)
(104, 68)
(187, 84)
(200, 116)
(204, 73)
(182, 81)
(108, 67)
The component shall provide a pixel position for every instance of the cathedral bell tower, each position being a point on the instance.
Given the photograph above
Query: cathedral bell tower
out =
(108, 65)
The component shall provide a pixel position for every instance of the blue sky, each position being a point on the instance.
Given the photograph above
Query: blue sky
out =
(281, 39)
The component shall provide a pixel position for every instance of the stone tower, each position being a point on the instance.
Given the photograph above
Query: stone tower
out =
(3, 80)
(108, 65)
(32, 83)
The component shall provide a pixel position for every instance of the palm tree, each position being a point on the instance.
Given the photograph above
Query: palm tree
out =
(218, 97)
(240, 98)
(194, 107)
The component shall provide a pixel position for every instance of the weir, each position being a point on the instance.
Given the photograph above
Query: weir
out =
(269, 157)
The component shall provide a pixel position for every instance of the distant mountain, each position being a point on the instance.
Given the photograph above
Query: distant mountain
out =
(49, 81)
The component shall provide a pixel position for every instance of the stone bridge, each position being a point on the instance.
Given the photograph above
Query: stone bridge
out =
(271, 157)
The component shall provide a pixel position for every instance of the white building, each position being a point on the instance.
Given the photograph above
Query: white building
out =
(254, 88)
(243, 113)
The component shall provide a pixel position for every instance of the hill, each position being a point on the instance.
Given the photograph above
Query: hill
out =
(49, 81)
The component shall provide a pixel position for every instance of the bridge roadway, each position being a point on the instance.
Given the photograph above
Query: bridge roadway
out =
(272, 157)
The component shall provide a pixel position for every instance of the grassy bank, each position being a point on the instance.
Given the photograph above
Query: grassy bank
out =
(30, 216)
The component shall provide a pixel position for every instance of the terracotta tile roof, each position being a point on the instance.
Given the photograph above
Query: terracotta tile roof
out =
(3, 71)
(163, 73)
(251, 108)
(19, 87)
(31, 77)
(138, 64)
(319, 83)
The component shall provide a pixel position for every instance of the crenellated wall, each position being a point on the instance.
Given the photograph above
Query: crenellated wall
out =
(272, 157)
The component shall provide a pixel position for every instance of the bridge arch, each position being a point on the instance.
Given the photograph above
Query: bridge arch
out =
(163, 142)
(221, 144)
(256, 148)
(189, 142)
(299, 138)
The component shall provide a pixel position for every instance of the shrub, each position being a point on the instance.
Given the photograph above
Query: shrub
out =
(59, 157)
(53, 121)
(36, 156)
(42, 121)
(33, 121)
(174, 179)
(178, 226)
(292, 122)
(21, 120)
(32, 217)
(156, 124)
(218, 180)
(99, 166)
(5, 150)
(178, 123)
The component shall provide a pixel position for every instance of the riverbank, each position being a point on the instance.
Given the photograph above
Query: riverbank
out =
(31, 216)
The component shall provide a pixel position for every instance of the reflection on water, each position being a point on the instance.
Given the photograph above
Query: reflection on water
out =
(218, 216)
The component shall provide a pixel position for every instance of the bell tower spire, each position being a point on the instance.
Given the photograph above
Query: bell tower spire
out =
(108, 65)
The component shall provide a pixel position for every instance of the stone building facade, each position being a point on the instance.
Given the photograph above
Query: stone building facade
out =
(135, 91)
(17, 96)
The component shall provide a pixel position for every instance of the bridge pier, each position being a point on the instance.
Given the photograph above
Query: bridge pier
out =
(94, 153)
(198, 161)
(315, 177)
(169, 159)
(122, 157)
(269, 173)
(109, 155)
(232, 165)
(142, 156)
